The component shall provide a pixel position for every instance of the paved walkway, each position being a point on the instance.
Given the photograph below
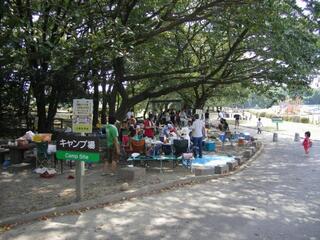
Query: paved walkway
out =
(276, 197)
(285, 128)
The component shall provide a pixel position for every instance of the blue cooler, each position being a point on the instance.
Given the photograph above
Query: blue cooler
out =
(210, 146)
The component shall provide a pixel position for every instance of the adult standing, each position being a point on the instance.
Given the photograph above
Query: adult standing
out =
(237, 120)
(198, 132)
(206, 115)
(112, 154)
(183, 118)
(167, 114)
(220, 115)
(130, 114)
(259, 126)
(149, 126)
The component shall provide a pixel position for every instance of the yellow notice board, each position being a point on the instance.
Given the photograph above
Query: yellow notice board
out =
(82, 115)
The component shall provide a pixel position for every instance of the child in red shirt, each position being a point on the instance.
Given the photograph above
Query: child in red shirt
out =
(307, 142)
(149, 127)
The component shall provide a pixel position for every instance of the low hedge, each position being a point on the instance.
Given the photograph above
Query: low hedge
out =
(262, 114)
(304, 120)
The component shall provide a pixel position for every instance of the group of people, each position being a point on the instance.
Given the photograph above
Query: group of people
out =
(122, 134)
(119, 135)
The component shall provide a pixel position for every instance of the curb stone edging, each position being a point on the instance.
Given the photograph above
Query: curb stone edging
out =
(78, 208)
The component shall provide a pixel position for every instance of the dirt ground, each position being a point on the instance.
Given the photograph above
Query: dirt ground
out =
(25, 191)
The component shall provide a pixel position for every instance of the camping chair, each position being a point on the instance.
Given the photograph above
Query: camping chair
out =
(180, 146)
(42, 155)
(138, 146)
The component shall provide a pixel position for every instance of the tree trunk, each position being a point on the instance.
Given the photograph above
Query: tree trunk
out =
(118, 66)
(122, 111)
(104, 101)
(52, 109)
(95, 102)
(112, 101)
(27, 110)
(145, 110)
(199, 103)
(41, 110)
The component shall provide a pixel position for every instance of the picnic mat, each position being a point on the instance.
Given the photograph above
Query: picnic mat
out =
(211, 161)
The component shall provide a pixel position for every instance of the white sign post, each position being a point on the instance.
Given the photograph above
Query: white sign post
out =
(82, 115)
(81, 123)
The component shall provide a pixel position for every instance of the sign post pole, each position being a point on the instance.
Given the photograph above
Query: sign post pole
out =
(82, 122)
(79, 180)
(277, 120)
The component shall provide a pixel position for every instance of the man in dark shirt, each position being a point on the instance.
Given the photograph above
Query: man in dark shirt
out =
(237, 120)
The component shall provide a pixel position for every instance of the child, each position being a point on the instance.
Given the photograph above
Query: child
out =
(259, 126)
(307, 142)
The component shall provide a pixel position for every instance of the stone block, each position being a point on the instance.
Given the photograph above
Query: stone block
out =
(296, 137)
(275, 137)
(253, 150)
(221, 169)
(131, 173)
(240, 160)
(203, 171)
(247, 154)
(259, 144)
(232, 165)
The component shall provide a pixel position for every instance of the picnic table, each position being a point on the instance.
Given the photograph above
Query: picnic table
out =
(17, 152)
(157, 158)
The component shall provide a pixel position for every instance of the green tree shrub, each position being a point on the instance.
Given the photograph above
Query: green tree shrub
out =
(262, 114)
(304, 120)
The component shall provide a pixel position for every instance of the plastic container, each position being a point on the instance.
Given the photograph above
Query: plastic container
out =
(210, 146)
(42, 137)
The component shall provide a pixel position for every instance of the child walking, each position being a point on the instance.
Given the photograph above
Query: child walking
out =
(307, 143)
(259, 126)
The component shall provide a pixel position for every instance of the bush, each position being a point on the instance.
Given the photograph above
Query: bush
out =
(296, 118)
(270, 115)
(287, 118)
(304, 120)
(262, 114)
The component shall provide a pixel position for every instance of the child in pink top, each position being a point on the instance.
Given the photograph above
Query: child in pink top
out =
(307, 142)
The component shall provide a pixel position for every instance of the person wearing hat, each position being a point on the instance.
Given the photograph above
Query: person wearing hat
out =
(167, 129)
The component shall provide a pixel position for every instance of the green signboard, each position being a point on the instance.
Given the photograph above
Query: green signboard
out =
(277, 119)
(78, 148)
(78, 156)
